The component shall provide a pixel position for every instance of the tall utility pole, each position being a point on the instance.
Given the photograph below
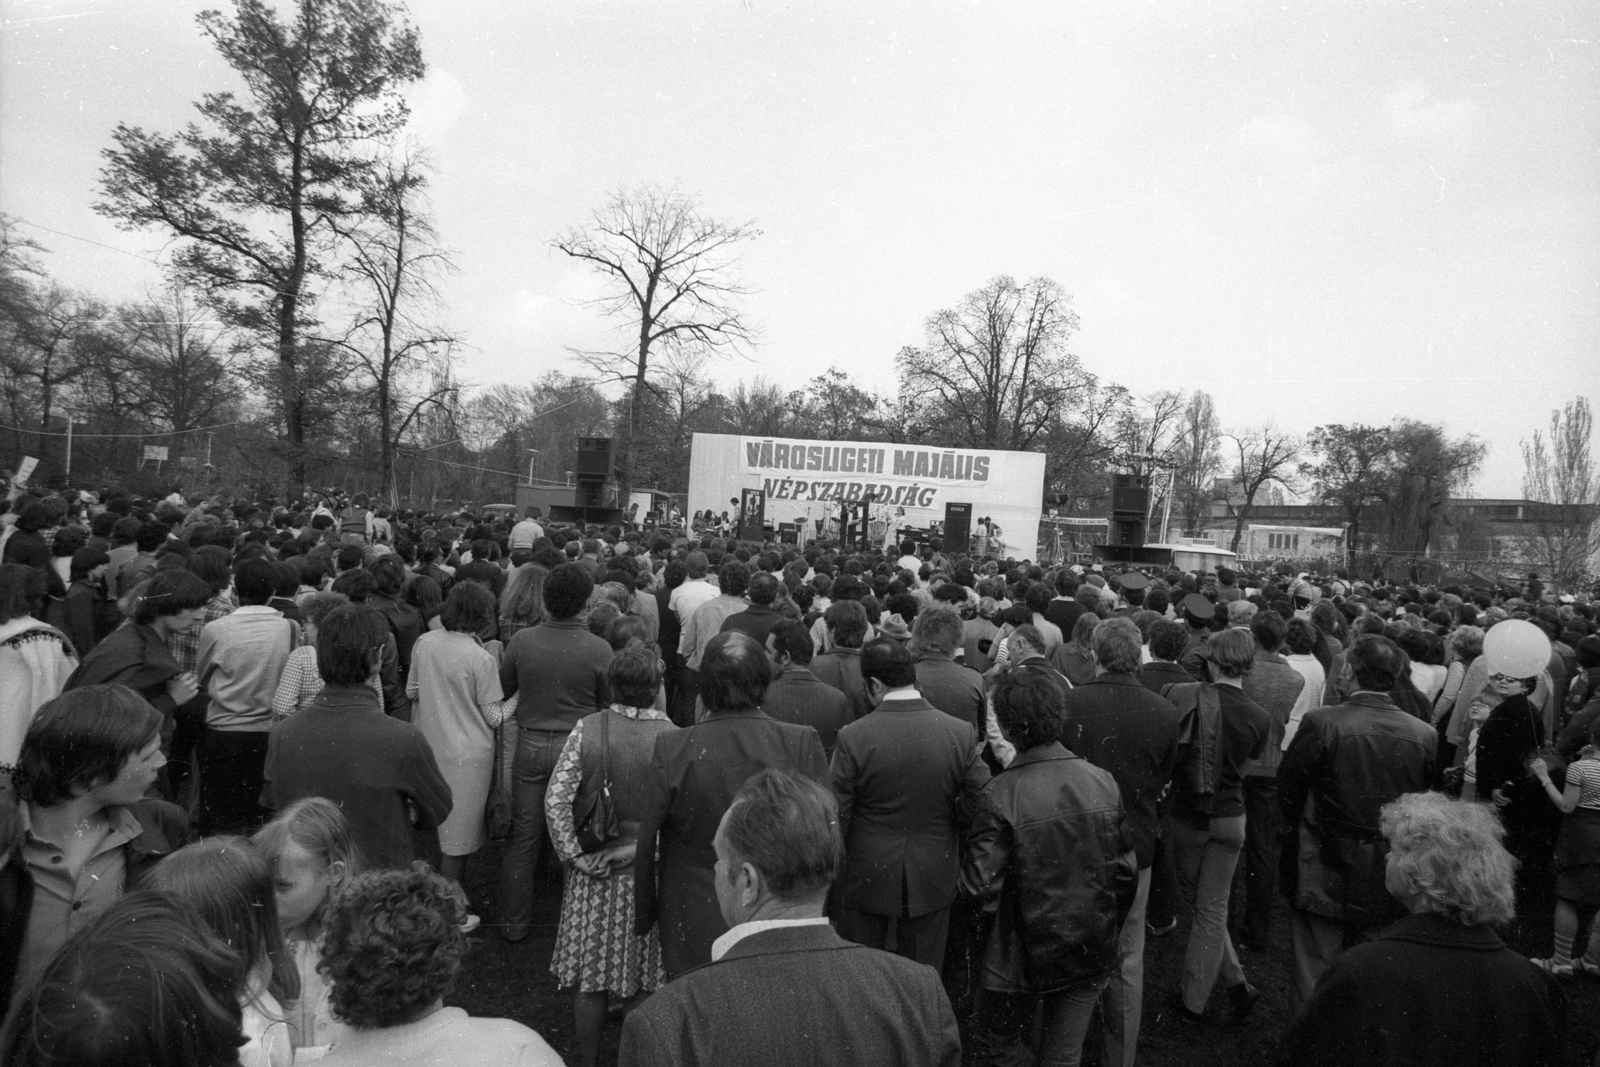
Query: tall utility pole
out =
(69, 445)
(1166, 508)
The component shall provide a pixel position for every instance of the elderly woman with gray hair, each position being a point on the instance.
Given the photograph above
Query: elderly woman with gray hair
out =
(1439, 986)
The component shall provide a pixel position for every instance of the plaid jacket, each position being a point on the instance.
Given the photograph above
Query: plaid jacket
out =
(185, 647)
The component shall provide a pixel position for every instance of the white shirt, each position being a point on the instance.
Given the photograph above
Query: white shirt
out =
(525, 533)
(720, 947)
(1310, 696)
(910, 692)
(689, 596)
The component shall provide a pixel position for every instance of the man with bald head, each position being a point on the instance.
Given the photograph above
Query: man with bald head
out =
(783, 989)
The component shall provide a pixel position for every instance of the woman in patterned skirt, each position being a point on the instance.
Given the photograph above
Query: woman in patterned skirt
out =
(596, 948)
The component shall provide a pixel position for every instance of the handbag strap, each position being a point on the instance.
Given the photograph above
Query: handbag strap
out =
(605, 750)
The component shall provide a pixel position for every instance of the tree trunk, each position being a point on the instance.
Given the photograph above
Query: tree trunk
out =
(387, 487)
(288, 307)
(289, 384)
(47, 396)
(635, 415)
(1238, 522)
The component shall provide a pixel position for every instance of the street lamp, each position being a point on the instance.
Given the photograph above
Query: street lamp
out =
(532, 452)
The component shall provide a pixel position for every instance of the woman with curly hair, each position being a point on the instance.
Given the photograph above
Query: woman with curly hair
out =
(596, 950)
(1439, 986)
(391, 951)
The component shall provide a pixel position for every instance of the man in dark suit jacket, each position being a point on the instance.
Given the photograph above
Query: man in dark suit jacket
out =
(782, 989)
(907, 777)
(758, 619)
(840, 666)
(951, 687)
(798, 696)
(694, 775)
(1120, 726)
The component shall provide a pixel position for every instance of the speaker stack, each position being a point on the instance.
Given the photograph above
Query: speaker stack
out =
(957, 527)
(594, 471)
(1130, 498)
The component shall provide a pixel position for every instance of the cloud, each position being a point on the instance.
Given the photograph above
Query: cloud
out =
(437, 104)
(1408, 113)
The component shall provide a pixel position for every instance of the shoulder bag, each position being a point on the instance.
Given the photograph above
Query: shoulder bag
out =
(594, 815)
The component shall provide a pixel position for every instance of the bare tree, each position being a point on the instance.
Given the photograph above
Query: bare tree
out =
(681, 403)
(56, 337)
(1265, 454)
(393, 259)
(1561, 476)
(173, 368)
(1145, 441)
(1079, 452)
(671, 285)
(1146, 430)
(995, 371)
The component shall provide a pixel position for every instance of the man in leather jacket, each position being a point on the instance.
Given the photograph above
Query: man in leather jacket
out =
(1344, 765)
(1049, 857)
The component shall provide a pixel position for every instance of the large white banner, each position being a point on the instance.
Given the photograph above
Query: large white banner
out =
(902, 485)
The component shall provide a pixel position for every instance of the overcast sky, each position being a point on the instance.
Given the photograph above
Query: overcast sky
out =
(1318, 212)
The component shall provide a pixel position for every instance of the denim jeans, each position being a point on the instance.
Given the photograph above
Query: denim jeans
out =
(1206, 858)
(1002, 1022)
(537, 752)
(1122, 1004)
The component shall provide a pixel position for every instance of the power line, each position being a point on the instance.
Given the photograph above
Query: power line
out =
(130, 433)
(89, 241)
(467, 466)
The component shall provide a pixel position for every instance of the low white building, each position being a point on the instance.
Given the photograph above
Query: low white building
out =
(1262, 541)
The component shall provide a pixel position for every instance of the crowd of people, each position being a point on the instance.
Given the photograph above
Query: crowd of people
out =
(800, 796)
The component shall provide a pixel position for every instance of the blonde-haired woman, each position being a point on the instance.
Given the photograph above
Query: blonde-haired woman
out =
(1438, 987)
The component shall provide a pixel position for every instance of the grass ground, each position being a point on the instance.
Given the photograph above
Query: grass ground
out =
(514, 981)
